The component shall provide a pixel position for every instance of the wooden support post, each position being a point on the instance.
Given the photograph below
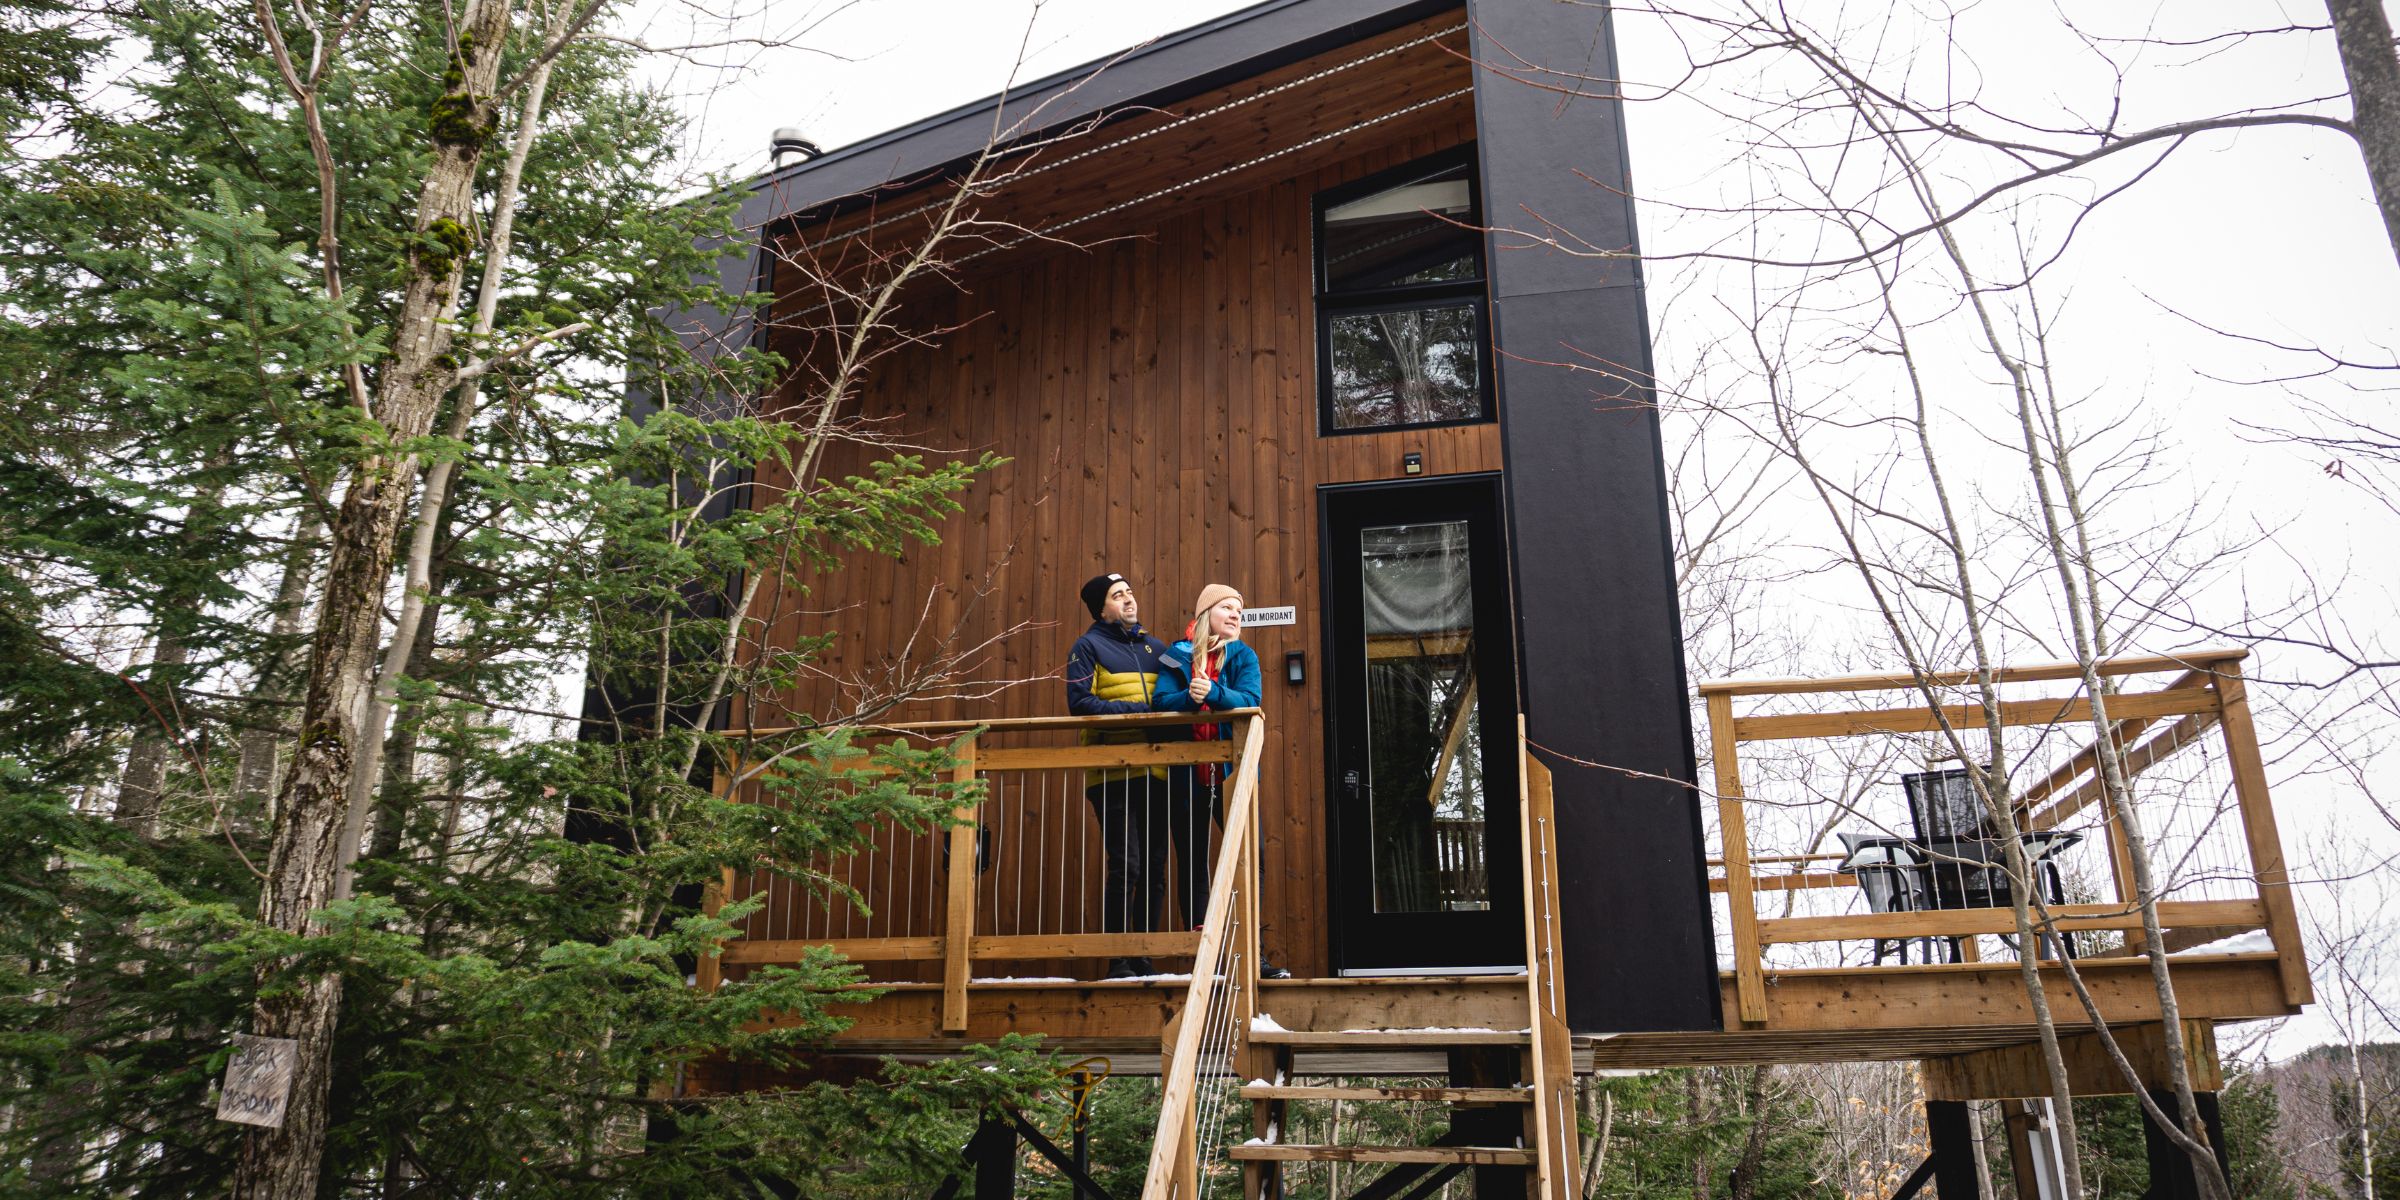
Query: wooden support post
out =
(2258, 826)
(1749, 973)
(709, 973)
(958, 927)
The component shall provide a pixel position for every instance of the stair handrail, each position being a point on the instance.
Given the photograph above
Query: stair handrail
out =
(1550, 1052)
(1231, 914)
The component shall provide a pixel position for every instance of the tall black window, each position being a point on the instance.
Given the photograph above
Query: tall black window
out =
(1400, 302)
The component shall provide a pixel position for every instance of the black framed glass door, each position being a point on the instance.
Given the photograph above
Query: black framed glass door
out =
(1422, 746)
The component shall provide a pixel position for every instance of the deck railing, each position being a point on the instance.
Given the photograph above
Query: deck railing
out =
(1015, 883)
(1809, 760)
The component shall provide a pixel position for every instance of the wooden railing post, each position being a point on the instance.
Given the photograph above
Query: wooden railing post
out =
(2120, 870)
(958, 924)
(1749, 972)
(2258, 827)
(709, 972)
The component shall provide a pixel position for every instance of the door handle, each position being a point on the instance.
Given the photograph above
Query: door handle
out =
(1351, 783)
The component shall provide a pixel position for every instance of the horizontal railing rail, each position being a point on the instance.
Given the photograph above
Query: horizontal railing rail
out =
(1016, 881)
(1812, 760)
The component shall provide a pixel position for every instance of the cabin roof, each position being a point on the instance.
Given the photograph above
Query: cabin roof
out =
(1174, 67)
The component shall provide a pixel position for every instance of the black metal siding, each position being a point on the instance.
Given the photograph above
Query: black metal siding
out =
(1599, 631)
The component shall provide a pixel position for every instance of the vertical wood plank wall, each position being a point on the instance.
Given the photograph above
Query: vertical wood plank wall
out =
(1156, 395)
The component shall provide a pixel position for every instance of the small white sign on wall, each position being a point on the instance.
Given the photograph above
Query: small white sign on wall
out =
(1287, 615)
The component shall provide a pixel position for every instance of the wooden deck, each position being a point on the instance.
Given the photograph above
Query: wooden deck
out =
(1804, 984)
(1869, 1014)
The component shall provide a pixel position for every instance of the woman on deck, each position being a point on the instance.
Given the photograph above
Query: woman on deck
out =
(1209, 671)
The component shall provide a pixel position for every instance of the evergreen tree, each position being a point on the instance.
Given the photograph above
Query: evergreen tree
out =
(219, 276)
(2252, 1117)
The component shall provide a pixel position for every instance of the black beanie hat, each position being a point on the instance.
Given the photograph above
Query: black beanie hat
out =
(1095, 593)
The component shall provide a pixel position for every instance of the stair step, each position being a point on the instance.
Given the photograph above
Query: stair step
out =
(1391, 1037)
(1479, 1156)
(1446, 1095)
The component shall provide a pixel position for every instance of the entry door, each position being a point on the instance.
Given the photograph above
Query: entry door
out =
(1422, 730)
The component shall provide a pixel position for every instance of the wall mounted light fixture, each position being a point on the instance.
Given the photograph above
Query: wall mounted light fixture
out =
(1292, 672)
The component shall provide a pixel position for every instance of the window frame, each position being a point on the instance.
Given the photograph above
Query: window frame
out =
(1474, 290)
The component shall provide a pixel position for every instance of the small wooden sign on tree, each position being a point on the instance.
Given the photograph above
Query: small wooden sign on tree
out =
(258, 1081)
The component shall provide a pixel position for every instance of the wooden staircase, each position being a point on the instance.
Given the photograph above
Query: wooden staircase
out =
(1270, 1107)
(1511, 1092)
(1537, 1137)
(1484, 1133)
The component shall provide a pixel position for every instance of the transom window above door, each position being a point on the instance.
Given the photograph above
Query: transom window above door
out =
(1402, 331)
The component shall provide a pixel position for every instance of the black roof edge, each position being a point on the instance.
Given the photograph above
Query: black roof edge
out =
(1174, 67)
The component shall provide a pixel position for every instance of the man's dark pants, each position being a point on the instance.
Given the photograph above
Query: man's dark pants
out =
(1138, 818)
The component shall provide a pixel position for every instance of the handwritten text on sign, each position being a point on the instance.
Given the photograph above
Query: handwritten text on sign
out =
(1287, 615)
(258, 1081)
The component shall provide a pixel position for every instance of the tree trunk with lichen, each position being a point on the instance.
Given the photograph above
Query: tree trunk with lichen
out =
(284, 1163)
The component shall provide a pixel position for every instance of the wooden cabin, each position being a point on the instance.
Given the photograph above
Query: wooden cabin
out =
(1332, 301)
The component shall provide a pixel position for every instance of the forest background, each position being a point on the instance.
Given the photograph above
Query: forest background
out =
(277, 274)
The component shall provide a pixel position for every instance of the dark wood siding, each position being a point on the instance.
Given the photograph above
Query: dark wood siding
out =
(1155, 395)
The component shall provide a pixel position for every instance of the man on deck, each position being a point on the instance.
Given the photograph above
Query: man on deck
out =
(1112, 670)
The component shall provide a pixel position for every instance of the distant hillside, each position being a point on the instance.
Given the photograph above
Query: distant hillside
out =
(2314, 1091)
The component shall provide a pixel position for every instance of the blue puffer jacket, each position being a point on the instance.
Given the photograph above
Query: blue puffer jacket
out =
(1237, 684)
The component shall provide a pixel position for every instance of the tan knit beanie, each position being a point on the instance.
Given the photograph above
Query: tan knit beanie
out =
(1210, 597)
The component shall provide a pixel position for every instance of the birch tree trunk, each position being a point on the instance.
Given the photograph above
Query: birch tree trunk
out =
(283, 1163)
(2363, 34)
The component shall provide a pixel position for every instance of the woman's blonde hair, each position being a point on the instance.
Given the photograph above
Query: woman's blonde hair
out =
(1204, 640)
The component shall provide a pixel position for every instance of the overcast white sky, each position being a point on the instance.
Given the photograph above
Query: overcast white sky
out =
(2269, 233)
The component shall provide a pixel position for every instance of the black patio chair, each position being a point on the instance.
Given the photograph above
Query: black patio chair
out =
(1964, 862)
